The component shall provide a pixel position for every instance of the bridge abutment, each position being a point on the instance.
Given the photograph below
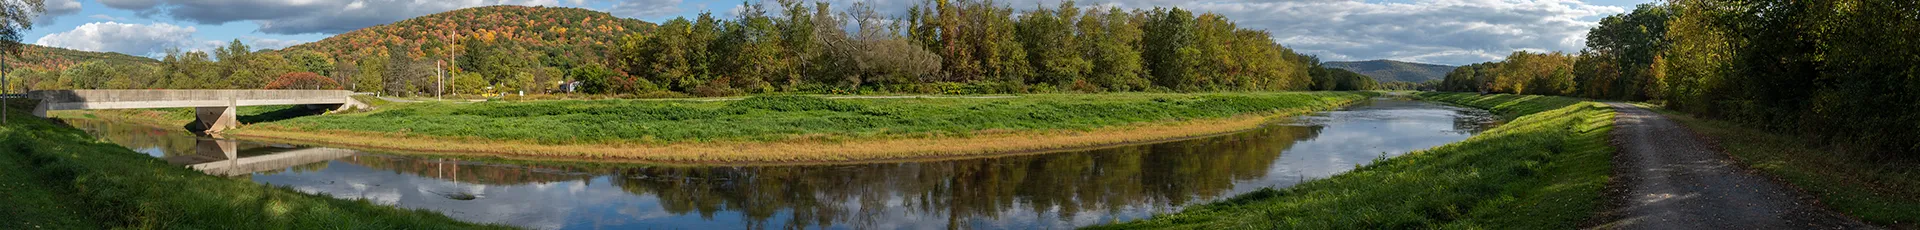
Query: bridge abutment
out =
(216, 119)
(40, 110)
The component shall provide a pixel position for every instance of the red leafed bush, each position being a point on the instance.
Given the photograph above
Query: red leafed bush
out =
(302, 80)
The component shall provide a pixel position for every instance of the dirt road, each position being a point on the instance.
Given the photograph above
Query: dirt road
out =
(1665, 177)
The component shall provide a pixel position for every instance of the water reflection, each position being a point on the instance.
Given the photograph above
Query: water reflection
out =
(1041, 191)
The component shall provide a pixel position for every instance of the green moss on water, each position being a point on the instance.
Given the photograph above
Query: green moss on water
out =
(1544, 169)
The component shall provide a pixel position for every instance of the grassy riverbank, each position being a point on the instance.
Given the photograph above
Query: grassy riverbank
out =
(1880, 190)
(58, 177)
(1544, 169)
(792, 129)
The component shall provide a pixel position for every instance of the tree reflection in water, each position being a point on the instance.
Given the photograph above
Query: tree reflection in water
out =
(1055, 190)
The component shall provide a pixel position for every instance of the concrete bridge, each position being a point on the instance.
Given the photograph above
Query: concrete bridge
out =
(213, 108)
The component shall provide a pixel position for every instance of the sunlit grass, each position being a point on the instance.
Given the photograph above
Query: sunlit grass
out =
(779, 118)
(1542, 170)
(796, 129)
(53, 176)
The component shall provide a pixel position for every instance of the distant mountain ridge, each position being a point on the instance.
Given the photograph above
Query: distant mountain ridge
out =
(1390, 70)
(56, 58)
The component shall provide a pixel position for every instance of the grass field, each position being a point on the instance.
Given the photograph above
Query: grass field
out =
(791, 129)
(1882, 191)
(57, 177)
(777, 118)
(1544, 169)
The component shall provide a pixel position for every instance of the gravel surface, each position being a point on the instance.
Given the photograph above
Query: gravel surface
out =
(1665, 177)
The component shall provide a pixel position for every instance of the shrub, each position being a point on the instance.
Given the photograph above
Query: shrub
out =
(302, 80)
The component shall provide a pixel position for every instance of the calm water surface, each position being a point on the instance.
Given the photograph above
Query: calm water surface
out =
(1060, 190)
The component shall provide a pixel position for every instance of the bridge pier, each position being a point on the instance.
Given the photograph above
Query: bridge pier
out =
(216, 119)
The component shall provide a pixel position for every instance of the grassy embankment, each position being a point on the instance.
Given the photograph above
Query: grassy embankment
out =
(56, 177)
(791, 129)
(1879, 190)
(1544, 169)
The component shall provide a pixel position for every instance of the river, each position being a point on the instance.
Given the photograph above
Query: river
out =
(1056, 190)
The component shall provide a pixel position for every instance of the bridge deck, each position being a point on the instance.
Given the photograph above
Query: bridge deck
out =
(142, 99)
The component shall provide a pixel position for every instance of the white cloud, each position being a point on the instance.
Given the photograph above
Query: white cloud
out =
(1436, 31)
(106, 17)
(57, 8)
(269, 43)
(305, 16)
(130, 4)
(645, 8)
(135, 39)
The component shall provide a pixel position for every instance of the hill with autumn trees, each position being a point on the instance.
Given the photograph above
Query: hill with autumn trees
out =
(41, 65)
(42, 57)
(941, 47)
(561, 36)
(485, 42)
(511, 47)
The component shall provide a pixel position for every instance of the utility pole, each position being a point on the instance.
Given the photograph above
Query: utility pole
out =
(452, 61)
(438, 75)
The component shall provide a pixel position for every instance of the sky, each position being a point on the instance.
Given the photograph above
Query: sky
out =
(1450, 32)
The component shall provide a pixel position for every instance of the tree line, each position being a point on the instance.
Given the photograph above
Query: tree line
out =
(1843, 72)
(237, 67)
(943, 46)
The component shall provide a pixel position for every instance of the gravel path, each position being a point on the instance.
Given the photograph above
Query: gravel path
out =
(1665, 177)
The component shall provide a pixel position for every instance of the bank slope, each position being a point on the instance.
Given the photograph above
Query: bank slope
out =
(1542, 170)
(61, 178)
(794, 129)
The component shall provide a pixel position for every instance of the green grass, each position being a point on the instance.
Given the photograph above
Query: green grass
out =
(1544, 169)
(54, 176)
(1506, 105)
(776, 118)
(370, 100)
(1880, 191)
